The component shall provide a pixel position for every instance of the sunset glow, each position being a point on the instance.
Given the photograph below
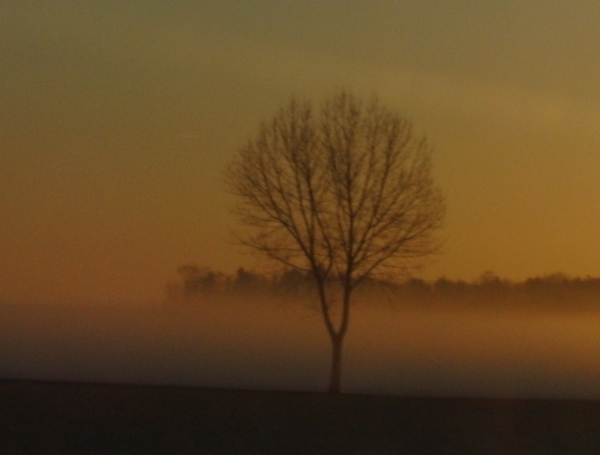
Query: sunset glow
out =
(118, 120)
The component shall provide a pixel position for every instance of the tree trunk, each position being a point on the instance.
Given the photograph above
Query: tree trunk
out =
(336, 364)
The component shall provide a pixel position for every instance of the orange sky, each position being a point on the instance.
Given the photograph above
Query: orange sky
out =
(118, 118)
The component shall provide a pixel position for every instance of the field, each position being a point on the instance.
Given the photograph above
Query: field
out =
(87, 418)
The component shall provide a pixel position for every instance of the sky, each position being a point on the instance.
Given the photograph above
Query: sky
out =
(118, 119)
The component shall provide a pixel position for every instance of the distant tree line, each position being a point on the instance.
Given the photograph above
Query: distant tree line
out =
(552, 291)
(555, 290)
(197, 281)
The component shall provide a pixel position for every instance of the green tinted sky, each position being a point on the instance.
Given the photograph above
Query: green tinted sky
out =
(118, 117)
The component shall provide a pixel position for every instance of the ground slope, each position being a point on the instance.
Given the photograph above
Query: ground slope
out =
(78, 418)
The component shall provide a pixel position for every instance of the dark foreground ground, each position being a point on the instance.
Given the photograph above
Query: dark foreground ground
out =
(74, 418)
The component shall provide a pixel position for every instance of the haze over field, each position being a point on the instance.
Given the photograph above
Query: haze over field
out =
(119, 117)
(394, 351)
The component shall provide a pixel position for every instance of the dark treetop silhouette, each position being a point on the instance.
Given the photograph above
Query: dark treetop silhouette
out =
(341, 193)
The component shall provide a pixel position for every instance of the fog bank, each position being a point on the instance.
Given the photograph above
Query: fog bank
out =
(273, 346)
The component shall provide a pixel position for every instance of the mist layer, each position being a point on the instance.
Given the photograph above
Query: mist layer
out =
(272, 346)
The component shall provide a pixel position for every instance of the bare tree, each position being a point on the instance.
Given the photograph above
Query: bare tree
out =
(342, 193)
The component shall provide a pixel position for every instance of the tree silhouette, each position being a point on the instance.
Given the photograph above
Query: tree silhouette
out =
(342, 193)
